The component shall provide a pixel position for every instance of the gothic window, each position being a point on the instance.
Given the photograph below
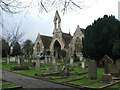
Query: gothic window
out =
(77, 45)
(38, 47)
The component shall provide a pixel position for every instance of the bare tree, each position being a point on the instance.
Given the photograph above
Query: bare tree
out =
(14, 6)
(12, 34)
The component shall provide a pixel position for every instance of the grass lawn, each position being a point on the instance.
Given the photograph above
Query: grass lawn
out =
(7, 85)
(76, 72)
(116, 86)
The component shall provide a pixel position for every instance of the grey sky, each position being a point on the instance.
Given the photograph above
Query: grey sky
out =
(32, 24)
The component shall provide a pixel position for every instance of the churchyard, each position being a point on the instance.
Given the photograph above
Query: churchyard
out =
(82, 74)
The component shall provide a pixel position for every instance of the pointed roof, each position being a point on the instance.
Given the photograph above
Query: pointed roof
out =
(67, 38)
(46, 40)
(57, 16)
(79, 30)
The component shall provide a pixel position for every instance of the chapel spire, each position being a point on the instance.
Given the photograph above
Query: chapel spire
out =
(57, 22)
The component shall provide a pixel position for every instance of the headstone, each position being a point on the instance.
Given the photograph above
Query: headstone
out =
(106, 61)
(65, 72)
(83, 64)
(46, 60)
(118, 66)
(37, 64)
(18, 60)
(92, 69)
(53, 61)
(71, 61)
(57, 68)
(8, 60)
(62, 61)
(107, 78)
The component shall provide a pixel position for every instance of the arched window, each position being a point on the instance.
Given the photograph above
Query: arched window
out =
(38, 47)
(78, 45)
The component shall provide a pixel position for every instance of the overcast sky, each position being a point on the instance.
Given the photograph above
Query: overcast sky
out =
(33, 23)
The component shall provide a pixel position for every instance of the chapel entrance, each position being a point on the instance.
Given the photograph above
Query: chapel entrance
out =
(57, 48)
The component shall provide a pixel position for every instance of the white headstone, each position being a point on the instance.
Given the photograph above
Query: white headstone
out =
(81, 58)
(71, 61)
(83, 64)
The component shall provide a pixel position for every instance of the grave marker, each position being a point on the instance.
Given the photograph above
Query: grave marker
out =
(71, 61)
(92, 69)
(106, 61)
(118, 66)
(37, 64)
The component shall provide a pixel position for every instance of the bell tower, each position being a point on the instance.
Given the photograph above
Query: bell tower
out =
(57, 28)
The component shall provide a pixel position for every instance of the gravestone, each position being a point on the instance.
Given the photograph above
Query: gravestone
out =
(107, 61)
(92, 69)
(118, 66)
(54, 61)
(37, 64)
(83, 64)
(65, 71)
(19, 60)
(8, 59)
(57, 68)
(46, 60)
(71, 61)
(107, 77)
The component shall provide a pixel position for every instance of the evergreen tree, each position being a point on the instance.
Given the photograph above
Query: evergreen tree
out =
(28, 47)
(100, 37)
(16, 49)
(5, 48)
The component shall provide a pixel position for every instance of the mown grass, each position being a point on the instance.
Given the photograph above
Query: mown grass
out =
(72, 79)
(7, 85)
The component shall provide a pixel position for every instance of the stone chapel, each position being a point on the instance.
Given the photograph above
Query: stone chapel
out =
(60, 40)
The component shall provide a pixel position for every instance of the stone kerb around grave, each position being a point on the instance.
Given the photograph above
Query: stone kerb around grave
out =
(92, 69)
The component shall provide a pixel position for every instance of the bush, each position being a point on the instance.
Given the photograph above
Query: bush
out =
(19, 68)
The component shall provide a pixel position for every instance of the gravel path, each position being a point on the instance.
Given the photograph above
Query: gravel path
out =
(28, 82)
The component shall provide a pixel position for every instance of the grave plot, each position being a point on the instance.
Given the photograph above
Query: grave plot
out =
(79, 77)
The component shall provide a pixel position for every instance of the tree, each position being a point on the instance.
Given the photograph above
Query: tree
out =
(100, 36)
(116, 49)
(15, 6)
(13, 35)
(5, 48)
(16, 49)
(28, 47)
(11, 6)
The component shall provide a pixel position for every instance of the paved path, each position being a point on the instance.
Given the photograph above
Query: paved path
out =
(29, 82)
